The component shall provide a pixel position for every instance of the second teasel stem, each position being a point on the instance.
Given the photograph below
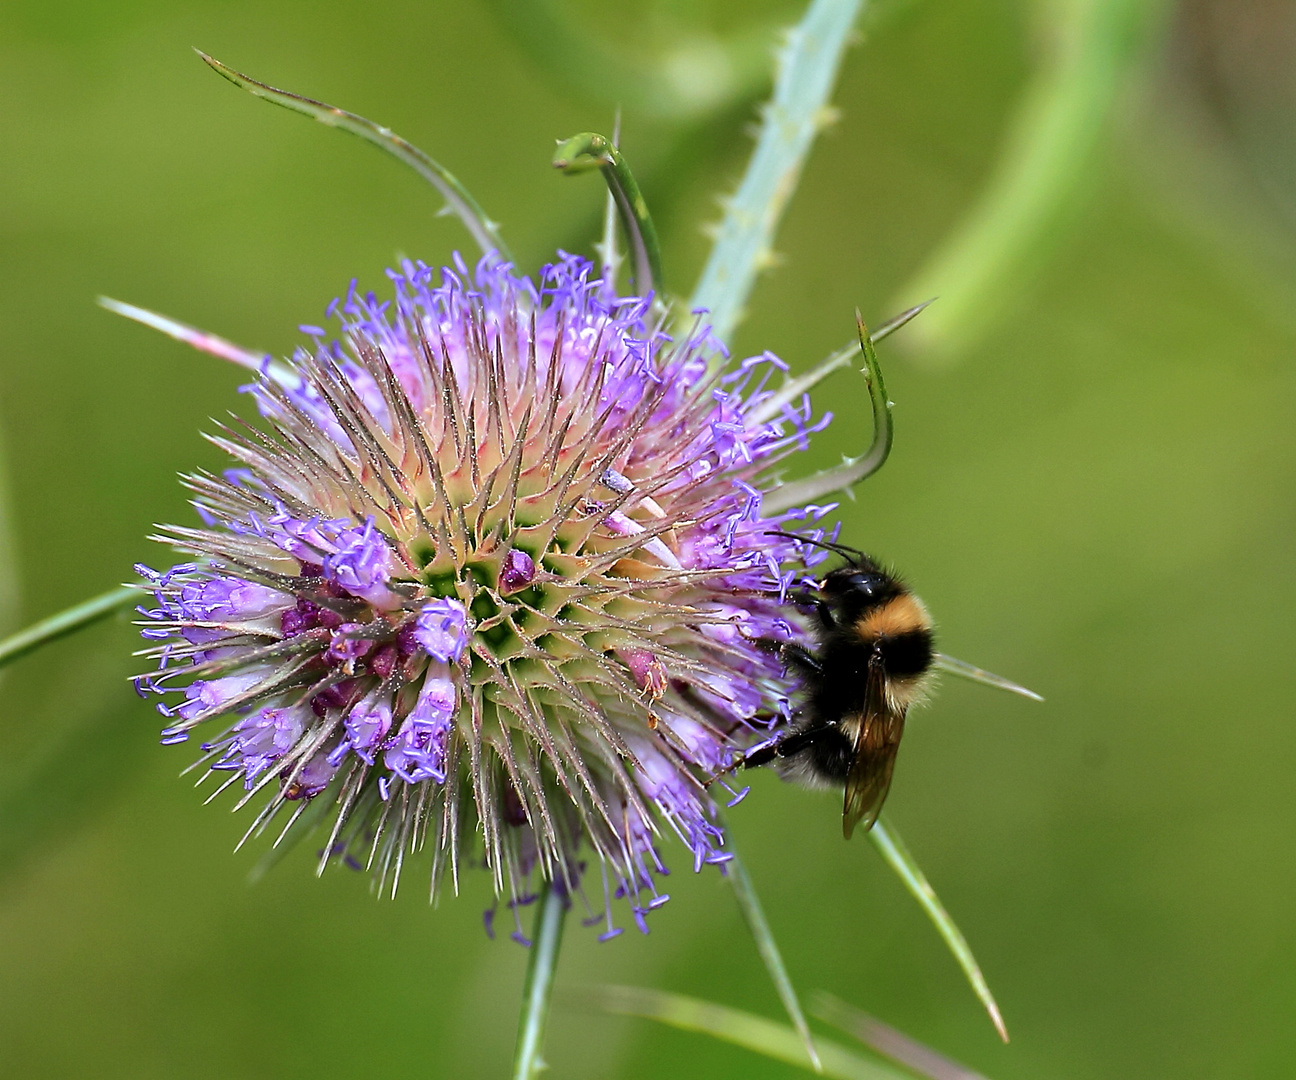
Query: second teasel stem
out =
(537, 992)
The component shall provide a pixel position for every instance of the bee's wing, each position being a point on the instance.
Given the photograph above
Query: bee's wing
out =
(876, 744)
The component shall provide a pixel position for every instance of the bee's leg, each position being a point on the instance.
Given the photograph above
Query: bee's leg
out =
(793, 655)
(792, 743)
(807, 598)
(799, 657)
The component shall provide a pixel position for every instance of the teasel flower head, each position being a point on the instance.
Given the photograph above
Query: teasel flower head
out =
(491, 579)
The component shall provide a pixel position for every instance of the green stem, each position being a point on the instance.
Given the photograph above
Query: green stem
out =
(528, 1060)
(750, 905)
(65, 622)
(589, 150)
(795, 114)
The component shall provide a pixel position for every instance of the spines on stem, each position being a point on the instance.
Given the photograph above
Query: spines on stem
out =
(808, 66)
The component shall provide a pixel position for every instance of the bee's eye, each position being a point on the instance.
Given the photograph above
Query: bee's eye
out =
(840, 583)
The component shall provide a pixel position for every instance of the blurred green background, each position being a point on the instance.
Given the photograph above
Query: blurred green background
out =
(1093, 490)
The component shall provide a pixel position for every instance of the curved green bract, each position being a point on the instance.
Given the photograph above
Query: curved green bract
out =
(888, 842)
(589, 150)
(803, 384)
(460, 202)
(851, 471)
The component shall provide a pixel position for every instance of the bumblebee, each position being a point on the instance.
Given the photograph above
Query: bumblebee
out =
(873, 660)
(875, 657)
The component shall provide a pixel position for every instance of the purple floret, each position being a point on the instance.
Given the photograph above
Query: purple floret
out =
(362, 564)
(419, 749)
(367, 724)
(442, 629)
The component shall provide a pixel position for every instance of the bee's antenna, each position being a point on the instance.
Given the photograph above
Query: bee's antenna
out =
(827, 545)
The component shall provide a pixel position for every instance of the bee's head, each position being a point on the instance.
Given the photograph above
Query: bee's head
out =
(862, 580)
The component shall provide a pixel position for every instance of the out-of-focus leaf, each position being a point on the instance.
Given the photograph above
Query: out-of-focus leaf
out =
(698, 75)
(755, 1033)
(1046, 166)
(87, 754)
(8, 552)
(754, 915)
(889, 1042)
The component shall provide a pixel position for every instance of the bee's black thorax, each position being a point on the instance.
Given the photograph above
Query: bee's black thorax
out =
(873, 645)
(870, 626)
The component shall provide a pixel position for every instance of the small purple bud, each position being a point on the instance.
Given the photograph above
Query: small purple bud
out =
(406, 641)
(383, 662)
(345, 649)
(517, 572)
(649, 674)
(327, 617)
(293, 621)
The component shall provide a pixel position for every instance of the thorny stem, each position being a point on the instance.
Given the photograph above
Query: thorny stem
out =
(797, 112)
(589, 150)
(65, 622)
(528, 1059)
